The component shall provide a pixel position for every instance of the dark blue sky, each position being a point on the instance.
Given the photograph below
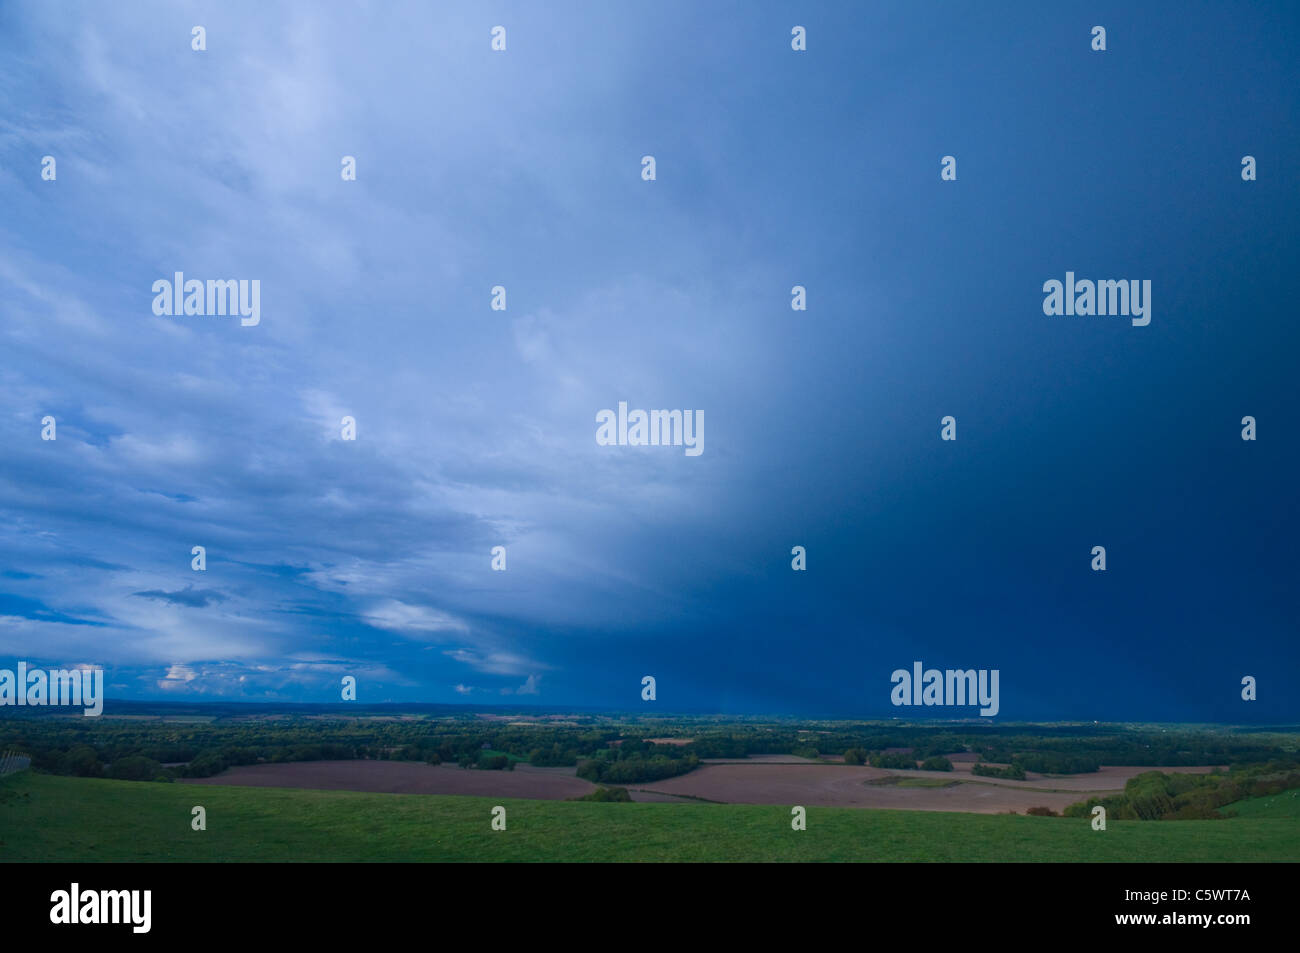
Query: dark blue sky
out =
(476, 427)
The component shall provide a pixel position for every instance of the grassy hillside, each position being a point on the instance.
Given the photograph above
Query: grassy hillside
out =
(1286, 804)
(50, 818)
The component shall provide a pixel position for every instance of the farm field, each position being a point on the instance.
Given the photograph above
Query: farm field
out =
(858, 786)
(765, 779)
(51, 818)
(406, 777)
(1106, 778)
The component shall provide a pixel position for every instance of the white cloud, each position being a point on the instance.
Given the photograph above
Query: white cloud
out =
(177, 678)
(529, 687)
(493, 663)
(412, 621)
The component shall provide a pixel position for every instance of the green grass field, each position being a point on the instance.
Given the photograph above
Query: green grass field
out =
(493, 753)
(49, 818)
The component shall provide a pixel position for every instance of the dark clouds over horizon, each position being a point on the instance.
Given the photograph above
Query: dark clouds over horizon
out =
(476, 428)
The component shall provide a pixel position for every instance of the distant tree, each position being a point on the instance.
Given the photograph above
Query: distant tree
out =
(134, 768)
(899, 761)
(82, 761)
(554, 756)
(614, 794)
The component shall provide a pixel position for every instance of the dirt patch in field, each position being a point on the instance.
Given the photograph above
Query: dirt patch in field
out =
(845, 786)
(407, 777)
(827, 785)
(762, 779)
(1108, 778)
(658, 797)
(760, 759)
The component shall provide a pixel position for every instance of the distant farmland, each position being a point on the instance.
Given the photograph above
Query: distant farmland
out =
(769, 779)
(393, 784)
(406, 777)
(51, 818)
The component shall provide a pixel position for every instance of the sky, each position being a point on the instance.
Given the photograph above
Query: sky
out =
(476, 427)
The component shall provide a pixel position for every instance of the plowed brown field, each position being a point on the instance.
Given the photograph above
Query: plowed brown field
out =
(766, 780)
